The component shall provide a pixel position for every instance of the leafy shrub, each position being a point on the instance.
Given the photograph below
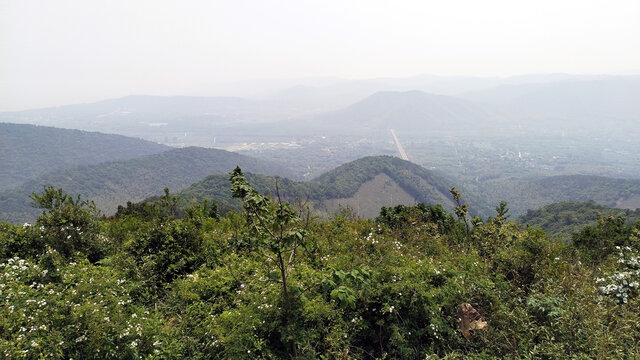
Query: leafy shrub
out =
(598, 242)
(624, 282)
(87, 314)
(69, 225)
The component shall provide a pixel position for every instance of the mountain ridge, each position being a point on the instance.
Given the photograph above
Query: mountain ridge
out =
(114, 183)
(408, 111)
(27, 151)
(336, 188)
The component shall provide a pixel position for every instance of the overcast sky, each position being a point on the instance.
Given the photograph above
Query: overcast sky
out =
(61, 52)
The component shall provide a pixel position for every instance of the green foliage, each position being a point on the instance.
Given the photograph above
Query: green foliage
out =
(272, 283)
(144, 209)
(69, 225)
(275, 231)
(623, 282)
(341, 284)
(545, 309)
(598, 242)
(401, 216)
(461, 210)
(565, 218)
(86, 313)
(24, 241)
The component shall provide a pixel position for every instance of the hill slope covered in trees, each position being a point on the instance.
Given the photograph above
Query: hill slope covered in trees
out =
(528, 194)
(113, 183)
(28, 151)
(364, 185)
(564, 218)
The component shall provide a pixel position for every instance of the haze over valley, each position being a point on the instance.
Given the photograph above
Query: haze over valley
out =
(495, 141)
(319, 180)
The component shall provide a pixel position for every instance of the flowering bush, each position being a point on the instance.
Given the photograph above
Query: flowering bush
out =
(151, 287)
(625, 282)
(87, 314)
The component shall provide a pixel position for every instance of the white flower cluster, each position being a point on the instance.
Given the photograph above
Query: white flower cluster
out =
(371, 236)
(371, 239)
(624, 284)
(434, 331)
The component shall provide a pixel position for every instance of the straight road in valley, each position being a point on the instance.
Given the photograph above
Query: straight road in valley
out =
(403, 154)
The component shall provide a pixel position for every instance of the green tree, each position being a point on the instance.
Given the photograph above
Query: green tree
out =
(276, 231)
(69, 224)
(461, 210)
(598, 242)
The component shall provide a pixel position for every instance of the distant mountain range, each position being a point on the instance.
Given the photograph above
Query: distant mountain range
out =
(175, 120)
(109, 169)
(610, 98)
(28, 151)
(138, 108)
(342, 93)
(410, 111)
(424, 104)
(113, 183)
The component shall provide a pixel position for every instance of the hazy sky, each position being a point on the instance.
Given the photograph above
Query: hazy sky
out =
(60, 52)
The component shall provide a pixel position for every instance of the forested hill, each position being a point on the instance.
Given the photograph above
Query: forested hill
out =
(27, 151)
(565, 218)
(526, 194)
(114, 183)
(421, 184)
(371, 182)
(365, 185)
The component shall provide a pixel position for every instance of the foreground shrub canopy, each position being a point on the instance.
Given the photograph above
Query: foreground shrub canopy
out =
(273, 282)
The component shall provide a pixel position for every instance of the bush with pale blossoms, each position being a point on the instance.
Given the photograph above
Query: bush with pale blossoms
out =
(623, 284)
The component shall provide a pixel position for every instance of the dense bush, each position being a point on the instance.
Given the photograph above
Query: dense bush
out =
(270, 283)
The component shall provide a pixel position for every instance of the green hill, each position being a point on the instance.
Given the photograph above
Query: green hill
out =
(364, 185)
(565, 218)
(28, 151)
(113, 183)
(525, 194)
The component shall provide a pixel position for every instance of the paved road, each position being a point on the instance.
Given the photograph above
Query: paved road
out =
(403, 154)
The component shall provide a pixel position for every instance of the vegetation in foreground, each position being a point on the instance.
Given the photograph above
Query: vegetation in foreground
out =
(272, 282)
